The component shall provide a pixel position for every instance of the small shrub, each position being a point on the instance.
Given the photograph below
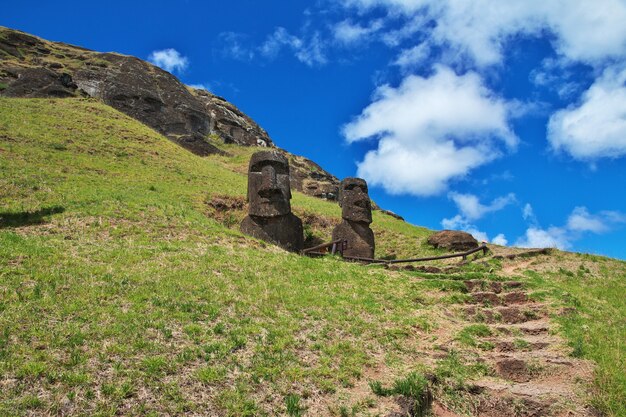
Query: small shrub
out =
(31, 402)
(155, 365)
(521, 344)
(378, 389)
(294, 408)
(414, 387)
(211, 374)
(468, 335)
(59, 146)
(578, 350)
(308, 232)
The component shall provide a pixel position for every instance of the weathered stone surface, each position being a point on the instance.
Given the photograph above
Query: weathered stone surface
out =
(359, 236)
(270, 216)
(268, 184)
(38, 83)
(285, 231)
(356, 211)
(12, 40)
(392, 214)
(453, 240)
(152, 96)
(309, 178)
(355, 201)
(230, 123)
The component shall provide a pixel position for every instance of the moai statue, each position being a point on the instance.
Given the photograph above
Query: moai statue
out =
(356, 211)
(269, 217)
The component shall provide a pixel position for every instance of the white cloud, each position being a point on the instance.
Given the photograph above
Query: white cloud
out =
(458, 222)
(413, 56)
(588, 31)
(348, 32)
(528, 213)
(582, 221)
(430, 131)
(169, 59)
(309, 52)
(471, 208)
(200, 87)
(553, 237)
(477, 33)
(312, 52)
(557, 75)
(579, 222)
(595, 128)
(277, 40)
(233, 46)
(500, 240)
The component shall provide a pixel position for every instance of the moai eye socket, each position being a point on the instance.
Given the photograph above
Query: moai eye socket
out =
(258, 167)
(279, 168)
(356, 187)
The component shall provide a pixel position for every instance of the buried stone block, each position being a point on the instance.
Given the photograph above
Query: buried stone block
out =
(269, 217)
(356, 211)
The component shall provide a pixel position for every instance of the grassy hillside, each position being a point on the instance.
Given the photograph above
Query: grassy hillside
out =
(127, 290)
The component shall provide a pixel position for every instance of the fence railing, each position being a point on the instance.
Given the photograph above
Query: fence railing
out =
(339, 246)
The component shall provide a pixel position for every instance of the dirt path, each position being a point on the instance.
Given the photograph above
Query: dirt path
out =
(533, 373)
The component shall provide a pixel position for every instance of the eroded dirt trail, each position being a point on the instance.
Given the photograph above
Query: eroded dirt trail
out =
(533, 375)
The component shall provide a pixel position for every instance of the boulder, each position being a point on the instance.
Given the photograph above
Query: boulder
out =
(453, 240)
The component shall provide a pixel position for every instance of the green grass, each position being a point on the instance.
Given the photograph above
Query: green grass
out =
(413, 387)
(112, 273)
(123, 292)
(594, 323)
(469, 335)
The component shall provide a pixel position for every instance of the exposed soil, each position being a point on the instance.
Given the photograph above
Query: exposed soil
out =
(533, 375)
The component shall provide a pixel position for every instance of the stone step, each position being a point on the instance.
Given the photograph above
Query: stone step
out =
(534, 327)
(525, 366)
(528, 399)
(508, 315)
(481, 285)
(506, 346)
(493, 299)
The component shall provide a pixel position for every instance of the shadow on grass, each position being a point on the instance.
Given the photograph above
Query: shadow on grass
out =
(27, 218)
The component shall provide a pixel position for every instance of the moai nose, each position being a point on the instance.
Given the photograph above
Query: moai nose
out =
(269, 177)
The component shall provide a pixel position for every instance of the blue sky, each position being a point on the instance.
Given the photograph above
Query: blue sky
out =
(506, 119)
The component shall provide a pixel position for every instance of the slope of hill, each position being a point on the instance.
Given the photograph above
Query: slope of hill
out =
(194, 119)
(127, 289)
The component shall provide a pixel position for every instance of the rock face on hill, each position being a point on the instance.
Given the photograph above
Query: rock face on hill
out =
(192, 118)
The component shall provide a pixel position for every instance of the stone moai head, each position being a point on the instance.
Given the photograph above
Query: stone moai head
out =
(268, 184)
(355, 201)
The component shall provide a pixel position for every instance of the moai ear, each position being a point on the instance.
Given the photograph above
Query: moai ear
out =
(340, 193)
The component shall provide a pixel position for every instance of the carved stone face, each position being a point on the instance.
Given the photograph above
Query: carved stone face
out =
(268, 184)
(355, 201)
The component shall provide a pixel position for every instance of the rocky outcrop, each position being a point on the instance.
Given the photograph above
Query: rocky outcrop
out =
(150, 95)
(230, 123)
(453, 240)
(32, 67)
(192, 118)
(309, 178)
